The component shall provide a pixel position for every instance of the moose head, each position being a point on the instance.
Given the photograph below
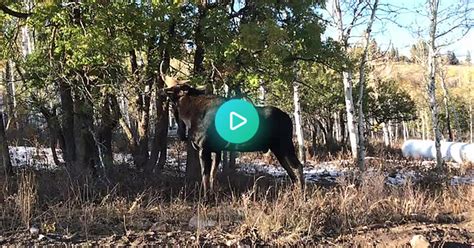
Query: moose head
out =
(177, 90)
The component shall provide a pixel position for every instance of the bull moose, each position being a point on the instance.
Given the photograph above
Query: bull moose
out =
(196, 111)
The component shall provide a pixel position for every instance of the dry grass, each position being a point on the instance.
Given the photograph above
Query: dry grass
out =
(265, 214)
(25, 198)
(289, 218)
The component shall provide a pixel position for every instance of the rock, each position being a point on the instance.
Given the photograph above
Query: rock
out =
(231, 242)
(42, 237)
(34, 231)
(201, 222)
(419, 241)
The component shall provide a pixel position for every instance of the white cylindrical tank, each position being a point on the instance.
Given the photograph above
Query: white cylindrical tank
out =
(425, 149)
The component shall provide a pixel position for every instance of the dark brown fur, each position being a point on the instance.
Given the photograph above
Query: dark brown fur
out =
(196, 113)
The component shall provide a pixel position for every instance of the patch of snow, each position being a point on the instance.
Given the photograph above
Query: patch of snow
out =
(460, 180)
(401, 178)
(41, 158)
(123, 158)
(330, 171)
(327, 171)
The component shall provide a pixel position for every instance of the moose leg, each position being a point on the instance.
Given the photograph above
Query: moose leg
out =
(205, 161)
(281, 156)
(214, 168)
(292, 165)
(297, 167)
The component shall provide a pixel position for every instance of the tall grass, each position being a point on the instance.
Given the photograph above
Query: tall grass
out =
(264, 214)
(26, 197)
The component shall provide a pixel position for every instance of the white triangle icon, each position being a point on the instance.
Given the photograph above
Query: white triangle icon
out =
(242, 120)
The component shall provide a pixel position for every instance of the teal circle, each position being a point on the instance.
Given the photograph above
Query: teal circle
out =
(236, 121)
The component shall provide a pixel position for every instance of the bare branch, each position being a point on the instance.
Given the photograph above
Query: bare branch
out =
(14, 13)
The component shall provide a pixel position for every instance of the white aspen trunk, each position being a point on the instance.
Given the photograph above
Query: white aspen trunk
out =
(26, 41)
(347, 81)
(372, 134)
(337, 127)
(423, 127)
(11, 94)
(390, 131)
(397, 127)
(386, 138)
(351, 127)
(414, 131)
(124, 109)
(298, 123)
(405, 131)
(361, 120)
(470, 122)
(230, 156)
(431, 80)
(262, 94)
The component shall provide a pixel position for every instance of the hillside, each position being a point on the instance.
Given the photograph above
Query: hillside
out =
(459, 79)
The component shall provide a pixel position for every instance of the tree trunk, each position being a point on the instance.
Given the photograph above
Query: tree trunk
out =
(158, 151)
(405, 131)
(423, 127)
(431, 82)
(361, 119)
(397, 129)
(390, 131)
(261, 94)
(11, 95)
(353, 139)
(347, 81)
(108, 123)
(372, 133)
(470, 121)
(337, 126)
(55, 132)
(5, 153)
(26, 37)
(199, 41)
(327, 135)
(314, 140)
(298, 122)
(446, 107)
(142, 154)
(26, 41)
(87, 153)
(67, 127)
(342, 127)
(386, 136)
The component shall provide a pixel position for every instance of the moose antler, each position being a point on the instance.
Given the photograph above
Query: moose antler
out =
(170, 81)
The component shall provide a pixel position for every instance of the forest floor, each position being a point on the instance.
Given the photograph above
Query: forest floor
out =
(385, 206)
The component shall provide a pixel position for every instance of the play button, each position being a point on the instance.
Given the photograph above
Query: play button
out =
(236, 121)
(234, 117)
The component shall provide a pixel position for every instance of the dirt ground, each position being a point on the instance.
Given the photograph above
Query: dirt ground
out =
(439, 235)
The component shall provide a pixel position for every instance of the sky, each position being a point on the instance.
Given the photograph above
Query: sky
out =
(410, 26)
